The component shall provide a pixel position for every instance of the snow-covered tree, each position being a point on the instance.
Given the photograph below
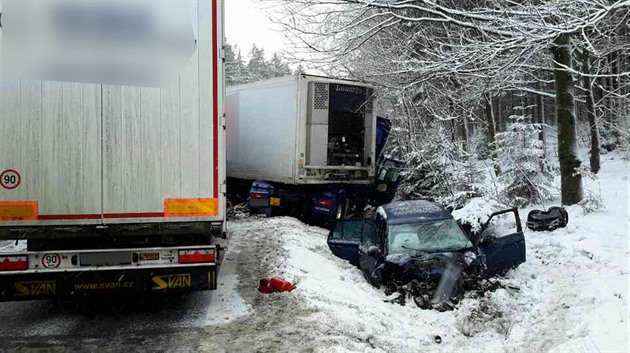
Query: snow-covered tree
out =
(277, 67)
(526, 173)
(257, 66)
(445, 56)
(235, 69)
(439, 170)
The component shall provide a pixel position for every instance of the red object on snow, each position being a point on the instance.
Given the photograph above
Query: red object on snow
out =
(275, 285)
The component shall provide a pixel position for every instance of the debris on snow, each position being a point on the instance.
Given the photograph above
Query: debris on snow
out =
(275, 285)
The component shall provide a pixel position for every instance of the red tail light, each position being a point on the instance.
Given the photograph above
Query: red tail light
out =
(13, 263)
(196, 256)
(326, 203)
(256, 195)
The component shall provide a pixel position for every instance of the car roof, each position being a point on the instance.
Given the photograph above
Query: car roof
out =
(401, 212)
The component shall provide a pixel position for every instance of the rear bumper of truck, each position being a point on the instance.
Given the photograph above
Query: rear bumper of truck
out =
(148, 271)
(33, 286)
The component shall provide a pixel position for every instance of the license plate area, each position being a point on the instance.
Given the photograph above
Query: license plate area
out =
(106, 259)
(274, 201)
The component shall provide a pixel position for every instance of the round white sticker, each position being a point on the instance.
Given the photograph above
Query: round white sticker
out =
(10, 179)
(51, 260)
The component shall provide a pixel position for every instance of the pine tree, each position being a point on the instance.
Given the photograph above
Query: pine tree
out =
(241, 69)
(526, 174)
(257, 67)
(235, 69)
(230, 65)
(439, 170)
(277, 67)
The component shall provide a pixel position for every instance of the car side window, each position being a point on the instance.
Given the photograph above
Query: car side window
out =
(348, 230)
(370, 236)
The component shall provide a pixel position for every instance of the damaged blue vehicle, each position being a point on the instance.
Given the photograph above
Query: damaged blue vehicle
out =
(418, 249)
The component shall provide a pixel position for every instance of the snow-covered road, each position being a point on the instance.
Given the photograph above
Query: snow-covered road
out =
(173, 324)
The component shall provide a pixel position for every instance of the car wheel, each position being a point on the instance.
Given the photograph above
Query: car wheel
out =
(562, 215)
(564, 218)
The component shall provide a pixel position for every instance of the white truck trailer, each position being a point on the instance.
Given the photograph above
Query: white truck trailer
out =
(114, 187)
(301, 129)
(303, 144)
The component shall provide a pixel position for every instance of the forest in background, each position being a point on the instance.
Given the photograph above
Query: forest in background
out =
(465, 81)
(257, 67)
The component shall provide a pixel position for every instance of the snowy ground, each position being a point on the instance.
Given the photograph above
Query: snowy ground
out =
(573, 293)
(573, 297)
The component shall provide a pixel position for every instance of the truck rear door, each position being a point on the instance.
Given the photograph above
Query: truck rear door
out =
(51, 151)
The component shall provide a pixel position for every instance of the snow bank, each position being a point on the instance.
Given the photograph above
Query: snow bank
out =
(573, 292)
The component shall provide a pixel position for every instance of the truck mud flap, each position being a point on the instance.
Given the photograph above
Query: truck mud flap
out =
(34, 286)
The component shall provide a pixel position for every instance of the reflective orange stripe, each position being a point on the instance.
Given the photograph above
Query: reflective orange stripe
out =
(191, 207)
(18, 210)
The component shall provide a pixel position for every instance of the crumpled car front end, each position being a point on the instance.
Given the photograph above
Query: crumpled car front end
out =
(435, 280)
(430, 280)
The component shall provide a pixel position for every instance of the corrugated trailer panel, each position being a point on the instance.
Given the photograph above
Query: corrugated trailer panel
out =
(278, 130)
(88, 153)
(262, 126)
(50, 138)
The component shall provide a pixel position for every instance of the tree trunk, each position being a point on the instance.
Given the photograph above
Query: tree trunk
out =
(498, 115)
(571, 183)
(540, 116)
(610, 101)
(464, 133)
(590, 111)
(506, 118)
(491, 133)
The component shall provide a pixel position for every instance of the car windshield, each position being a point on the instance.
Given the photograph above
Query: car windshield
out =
(434, 236)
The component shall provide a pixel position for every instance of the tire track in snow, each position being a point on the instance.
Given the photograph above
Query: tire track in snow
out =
(276, 321)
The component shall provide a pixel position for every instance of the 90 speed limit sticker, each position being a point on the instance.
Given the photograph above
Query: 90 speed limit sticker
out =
(51, 260)
(10, 179)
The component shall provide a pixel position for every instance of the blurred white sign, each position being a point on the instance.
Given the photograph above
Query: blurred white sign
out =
(138, 43)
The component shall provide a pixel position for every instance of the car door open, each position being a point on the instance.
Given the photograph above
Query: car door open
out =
(501, 254)
(344, 239)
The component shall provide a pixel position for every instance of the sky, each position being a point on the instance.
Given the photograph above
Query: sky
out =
(247, 22)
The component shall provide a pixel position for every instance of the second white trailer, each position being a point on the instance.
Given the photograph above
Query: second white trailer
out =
(301, 129)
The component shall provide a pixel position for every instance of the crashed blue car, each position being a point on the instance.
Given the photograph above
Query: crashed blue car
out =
(417, 245)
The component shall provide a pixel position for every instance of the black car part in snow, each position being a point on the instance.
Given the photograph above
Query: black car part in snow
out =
(417, 248)
(552, 219)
